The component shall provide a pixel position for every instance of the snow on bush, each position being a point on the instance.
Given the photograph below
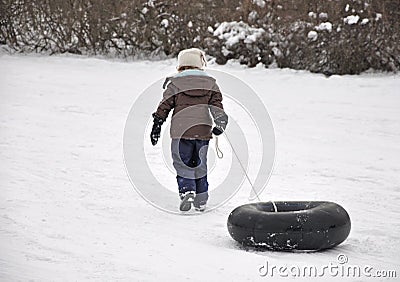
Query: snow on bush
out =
(352, 19)
(145, 10)
(165, 23)
(242, 42)
(312, 35)
(312, 15)
(324, 26)
(260, 3)
(253, 16)
(323, 15)
(364, 21)
(234, 32)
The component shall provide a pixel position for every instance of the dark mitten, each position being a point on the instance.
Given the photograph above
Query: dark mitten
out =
(216, 131)
(221, 121)
(156, 129)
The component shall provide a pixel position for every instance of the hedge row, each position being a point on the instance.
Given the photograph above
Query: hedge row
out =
(330, 36)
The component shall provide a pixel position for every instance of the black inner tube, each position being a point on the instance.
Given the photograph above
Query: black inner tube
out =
(295, 225)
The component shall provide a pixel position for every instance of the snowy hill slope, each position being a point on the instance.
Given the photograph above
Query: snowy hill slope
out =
(69, 212)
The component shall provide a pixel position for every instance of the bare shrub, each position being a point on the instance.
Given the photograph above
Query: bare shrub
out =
(330, 36)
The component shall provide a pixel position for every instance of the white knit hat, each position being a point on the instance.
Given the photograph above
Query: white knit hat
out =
(192, 57)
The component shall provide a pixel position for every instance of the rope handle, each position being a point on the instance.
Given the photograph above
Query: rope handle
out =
(220, 155)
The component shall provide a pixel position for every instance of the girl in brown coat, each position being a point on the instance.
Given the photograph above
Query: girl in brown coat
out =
(193, 95)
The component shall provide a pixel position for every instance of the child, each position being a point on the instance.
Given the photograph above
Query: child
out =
(193, 94)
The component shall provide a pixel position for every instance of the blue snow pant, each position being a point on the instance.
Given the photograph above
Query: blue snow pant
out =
(190, 162)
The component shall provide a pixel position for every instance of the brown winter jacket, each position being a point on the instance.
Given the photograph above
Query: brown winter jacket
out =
(193, 96)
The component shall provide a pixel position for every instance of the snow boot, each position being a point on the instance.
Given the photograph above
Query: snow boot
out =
(186, 201)
(200, 208)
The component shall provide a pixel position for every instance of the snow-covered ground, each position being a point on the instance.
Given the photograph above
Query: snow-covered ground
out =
(69, 212)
